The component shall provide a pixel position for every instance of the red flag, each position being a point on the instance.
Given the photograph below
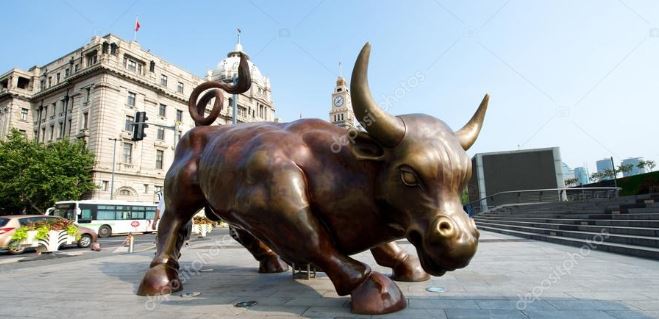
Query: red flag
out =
(137, 25)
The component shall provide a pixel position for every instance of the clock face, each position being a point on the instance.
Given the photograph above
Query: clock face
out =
(338, 101)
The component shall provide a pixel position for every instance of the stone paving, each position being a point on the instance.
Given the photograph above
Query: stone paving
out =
(508, 278)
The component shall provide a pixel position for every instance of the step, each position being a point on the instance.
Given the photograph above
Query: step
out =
(622, 230)
(646, 216)
(644, 252)
(600, 222)
(611, 238)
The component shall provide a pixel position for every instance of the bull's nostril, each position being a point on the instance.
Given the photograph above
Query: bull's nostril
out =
(445, 228)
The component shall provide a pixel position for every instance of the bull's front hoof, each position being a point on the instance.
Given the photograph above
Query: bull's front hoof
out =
(272, 264)
(409, 270)
(377, 295)
(159, 280)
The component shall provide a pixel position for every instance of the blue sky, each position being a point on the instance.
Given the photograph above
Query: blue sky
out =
(581, 75)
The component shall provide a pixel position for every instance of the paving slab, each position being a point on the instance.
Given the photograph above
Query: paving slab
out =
(508, 278)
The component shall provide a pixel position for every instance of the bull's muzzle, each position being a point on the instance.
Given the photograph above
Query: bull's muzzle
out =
(449, 243)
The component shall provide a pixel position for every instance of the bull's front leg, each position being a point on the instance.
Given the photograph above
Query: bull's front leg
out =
(405, 267)
(183, 200)
(300, 237)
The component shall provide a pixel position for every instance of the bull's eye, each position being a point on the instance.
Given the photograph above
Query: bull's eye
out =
(408, 177)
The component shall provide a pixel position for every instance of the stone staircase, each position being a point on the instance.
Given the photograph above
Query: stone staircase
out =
(625, 225)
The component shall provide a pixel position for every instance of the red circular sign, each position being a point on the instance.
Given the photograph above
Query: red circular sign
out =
(135, 223)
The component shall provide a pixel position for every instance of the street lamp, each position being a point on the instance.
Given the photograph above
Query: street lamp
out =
(114, 151)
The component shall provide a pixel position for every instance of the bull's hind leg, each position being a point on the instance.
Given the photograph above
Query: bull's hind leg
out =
(183, 199)
(268, 259)
(405, 267)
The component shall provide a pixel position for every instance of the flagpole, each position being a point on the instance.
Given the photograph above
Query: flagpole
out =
(137, 21)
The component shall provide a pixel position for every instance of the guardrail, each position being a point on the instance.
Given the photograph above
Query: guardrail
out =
(535, 196)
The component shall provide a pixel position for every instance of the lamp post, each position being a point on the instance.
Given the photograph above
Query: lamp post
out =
(114, 151)
(235, 101)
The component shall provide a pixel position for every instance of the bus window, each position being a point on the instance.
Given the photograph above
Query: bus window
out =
(65, 211)
(123, 212)
(86, 213)
(105, 212)
(150, 213)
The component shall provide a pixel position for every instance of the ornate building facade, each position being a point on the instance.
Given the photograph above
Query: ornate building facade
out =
(92, 94)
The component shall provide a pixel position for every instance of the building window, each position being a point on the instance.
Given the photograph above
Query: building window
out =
(159, 155)
(163, 80)
(161, 134)
(92, 58)
(61, 130)
(57, 77)
(89, 92)
(85, 120)
(162, 110)
(152, 66)
(69, 132)
(129, 123)
(50, 81)
(52, 132)
(128, 153)
(42, 84)
(131, 65)
(124, 192)
(146, 188)
(131, 99)
(105, 186)
(157, 189)
(179, 115)
(43, 134)
(76, 68)
(179, 87)
(23, 114)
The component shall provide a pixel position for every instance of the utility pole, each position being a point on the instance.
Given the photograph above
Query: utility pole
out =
(114, 151)
(615, 175)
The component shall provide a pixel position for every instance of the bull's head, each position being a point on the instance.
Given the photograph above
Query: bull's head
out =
(425, 169)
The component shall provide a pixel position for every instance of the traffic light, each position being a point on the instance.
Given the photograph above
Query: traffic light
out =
(139, 126)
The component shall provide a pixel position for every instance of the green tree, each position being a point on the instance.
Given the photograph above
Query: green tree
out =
(643, 164)
(571, 181)
(624, 168)
(34, 176)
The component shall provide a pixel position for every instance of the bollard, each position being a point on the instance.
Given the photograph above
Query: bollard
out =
(131, 243)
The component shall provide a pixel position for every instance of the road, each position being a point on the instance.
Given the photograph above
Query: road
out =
(110, 243)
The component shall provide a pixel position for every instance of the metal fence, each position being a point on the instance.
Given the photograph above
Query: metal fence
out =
(535, 196)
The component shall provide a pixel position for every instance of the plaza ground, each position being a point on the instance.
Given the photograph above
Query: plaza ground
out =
(508, 278)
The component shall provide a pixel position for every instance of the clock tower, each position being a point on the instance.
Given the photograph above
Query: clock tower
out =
(341, 113)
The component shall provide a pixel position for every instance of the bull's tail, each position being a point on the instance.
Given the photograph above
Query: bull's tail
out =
(197, 108)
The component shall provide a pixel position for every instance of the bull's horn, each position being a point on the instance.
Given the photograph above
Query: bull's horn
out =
(385, 128)
(467, 134)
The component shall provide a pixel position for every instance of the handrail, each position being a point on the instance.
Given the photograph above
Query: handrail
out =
(544, 195)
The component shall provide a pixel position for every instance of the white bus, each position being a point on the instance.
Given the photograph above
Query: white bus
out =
(108, 217)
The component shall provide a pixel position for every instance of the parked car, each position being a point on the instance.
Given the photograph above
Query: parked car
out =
(9, 224)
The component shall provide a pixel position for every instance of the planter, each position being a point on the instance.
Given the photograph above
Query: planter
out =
(54, 239)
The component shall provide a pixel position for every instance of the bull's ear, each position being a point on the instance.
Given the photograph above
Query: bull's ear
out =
(366, 148)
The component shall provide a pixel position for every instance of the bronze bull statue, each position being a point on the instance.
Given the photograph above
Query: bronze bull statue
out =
(290, 194)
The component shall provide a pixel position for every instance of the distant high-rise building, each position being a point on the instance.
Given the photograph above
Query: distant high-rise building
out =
(603, 165)
(634, 161)
(581, 174)
(568, 173)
